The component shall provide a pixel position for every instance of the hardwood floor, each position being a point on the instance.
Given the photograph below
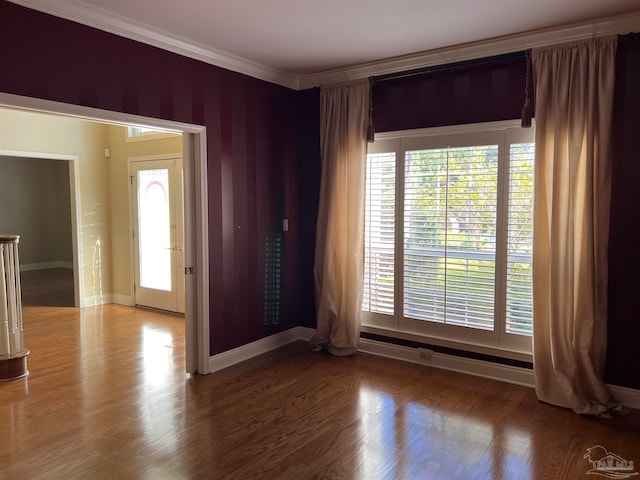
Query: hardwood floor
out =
(107, 399)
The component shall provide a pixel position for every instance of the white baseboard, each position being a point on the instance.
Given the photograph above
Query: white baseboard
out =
(628, 396)
(94, 300)
(27, 267)
(253, 349)
(125, 300)
(479, 368)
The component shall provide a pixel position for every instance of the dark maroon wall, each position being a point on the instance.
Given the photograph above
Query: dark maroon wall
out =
(252, 149)
(485, 92)
(624, 250)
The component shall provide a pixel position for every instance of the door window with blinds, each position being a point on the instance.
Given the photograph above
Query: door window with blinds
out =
(448, 234)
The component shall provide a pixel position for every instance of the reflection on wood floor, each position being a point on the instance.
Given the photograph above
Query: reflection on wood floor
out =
(107, 399)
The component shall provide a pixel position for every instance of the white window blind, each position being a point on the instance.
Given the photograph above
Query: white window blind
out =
(450, 204)
(519, 307)
(379, 248)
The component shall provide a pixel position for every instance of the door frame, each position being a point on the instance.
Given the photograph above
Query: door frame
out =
(196, 228)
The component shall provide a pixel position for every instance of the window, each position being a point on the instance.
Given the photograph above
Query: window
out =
(137, 134)
(448, 233)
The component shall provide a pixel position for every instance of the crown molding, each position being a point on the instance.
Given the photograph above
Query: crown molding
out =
(124, 27)
(471, 51)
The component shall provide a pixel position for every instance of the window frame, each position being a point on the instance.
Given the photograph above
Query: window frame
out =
(131, 135)
(499, 341)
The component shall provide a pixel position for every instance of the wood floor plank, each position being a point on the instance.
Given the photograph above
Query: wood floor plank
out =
(107, 398)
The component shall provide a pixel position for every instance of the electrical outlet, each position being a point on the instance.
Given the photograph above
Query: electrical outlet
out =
(425, 354)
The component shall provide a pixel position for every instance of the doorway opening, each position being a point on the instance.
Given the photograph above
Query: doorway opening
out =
(35, 194)
(195, 248)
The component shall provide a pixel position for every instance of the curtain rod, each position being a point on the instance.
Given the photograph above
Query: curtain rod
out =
(449, 66)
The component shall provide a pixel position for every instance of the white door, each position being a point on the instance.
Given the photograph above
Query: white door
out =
(158, 233)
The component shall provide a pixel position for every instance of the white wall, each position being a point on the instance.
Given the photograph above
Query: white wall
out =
(35, 204)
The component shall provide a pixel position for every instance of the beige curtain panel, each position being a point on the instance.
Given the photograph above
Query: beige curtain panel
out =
(574, 103)
(338, 266)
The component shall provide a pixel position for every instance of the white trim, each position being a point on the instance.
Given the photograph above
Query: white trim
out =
(38, 155)
(198, 236)
(96, 300)
(479, 368)
(125, 27)
(132, 261)
(259, 347)
(451, 129)
(470, 51)
(77, 235)
(628, 396)
(50, 107)
(448, 343)
(198, 226)
(120, 299)
(27, 267)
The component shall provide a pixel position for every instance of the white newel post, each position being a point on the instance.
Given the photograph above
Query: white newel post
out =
(13, 356)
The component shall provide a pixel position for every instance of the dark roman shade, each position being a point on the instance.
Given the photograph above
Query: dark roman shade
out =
(483, 90)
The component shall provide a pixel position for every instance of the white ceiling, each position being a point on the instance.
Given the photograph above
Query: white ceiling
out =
(306, 37)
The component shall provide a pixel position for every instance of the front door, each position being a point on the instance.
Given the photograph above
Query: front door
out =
(158, 233)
